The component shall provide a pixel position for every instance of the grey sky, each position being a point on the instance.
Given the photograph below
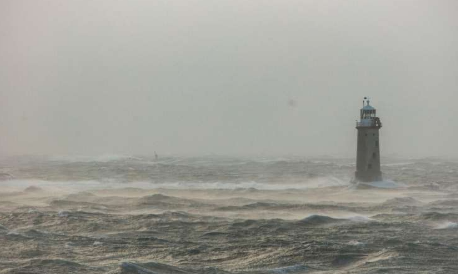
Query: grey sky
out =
(226, 77)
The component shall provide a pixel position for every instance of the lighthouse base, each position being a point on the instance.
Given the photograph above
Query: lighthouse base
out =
(368, 176)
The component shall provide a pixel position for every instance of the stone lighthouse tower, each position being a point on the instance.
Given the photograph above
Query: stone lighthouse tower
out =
(368, 151)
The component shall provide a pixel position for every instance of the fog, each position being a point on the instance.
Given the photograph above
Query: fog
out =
(226, 77)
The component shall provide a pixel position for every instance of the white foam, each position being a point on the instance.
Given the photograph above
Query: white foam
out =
(315, 183)
(62, 213)
(356, 243)
(69, 245)
(58, 186)
(289, 269)
(447, 225)
(75, 186)
(361, 219)
(386, 184)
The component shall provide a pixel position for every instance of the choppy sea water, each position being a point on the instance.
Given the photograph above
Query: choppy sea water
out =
(131, 214)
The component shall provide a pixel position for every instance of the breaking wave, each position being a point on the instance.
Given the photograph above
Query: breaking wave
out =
(320, 182)
(385, 184)
(447, 225)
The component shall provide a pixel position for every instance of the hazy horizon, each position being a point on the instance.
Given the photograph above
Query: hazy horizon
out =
(226, 77)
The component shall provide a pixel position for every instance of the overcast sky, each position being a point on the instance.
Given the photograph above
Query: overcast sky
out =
(234, 77)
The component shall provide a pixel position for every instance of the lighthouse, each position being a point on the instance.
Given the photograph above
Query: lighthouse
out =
(368, 150)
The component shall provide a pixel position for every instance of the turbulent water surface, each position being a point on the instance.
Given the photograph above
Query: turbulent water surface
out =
(116, 214)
